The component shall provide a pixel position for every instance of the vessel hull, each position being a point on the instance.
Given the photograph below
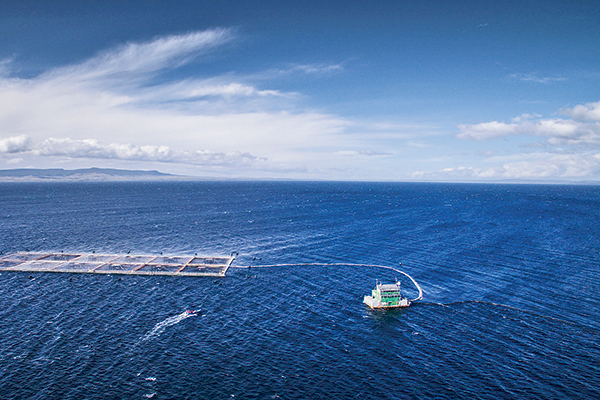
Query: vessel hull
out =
(375, 304)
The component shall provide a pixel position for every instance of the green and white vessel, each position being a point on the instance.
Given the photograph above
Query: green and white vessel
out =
(389, 295)
(386, 296)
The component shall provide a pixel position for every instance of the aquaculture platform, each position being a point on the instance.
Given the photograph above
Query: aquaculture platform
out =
(116, 264)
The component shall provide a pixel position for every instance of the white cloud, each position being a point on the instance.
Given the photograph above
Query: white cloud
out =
(196, 89)
(563, 166)
(15, 144)
(14, 160)
(487, 130)
(134, 59)
(308, 69)
(317, 68)
(586, 112)
(525, 117)
(577, 136)
(557, 131)
(90, 148)
(572, 146)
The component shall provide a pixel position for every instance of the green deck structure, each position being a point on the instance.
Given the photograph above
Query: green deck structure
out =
(386, 296)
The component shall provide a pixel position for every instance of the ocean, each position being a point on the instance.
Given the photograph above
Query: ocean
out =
(510, 275)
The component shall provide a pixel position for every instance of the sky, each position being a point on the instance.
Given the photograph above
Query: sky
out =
(312, 90)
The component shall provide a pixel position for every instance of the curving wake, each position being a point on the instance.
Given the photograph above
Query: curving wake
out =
(161, 326)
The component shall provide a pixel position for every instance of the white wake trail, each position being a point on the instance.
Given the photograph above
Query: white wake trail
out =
(161, 326)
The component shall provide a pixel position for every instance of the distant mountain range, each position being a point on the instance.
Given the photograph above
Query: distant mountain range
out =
(78, 175)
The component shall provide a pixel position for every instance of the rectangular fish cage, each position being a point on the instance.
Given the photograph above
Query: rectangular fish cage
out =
(116, 264)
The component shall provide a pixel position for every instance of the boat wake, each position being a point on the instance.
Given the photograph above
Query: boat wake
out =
(161, 326)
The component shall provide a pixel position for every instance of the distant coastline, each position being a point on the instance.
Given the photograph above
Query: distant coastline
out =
(83, 175)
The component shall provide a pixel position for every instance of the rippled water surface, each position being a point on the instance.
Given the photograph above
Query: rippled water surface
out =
(510, 275)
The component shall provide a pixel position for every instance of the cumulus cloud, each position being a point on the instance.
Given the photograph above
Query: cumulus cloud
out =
(486, 130)
(586, 112)
(571, 132)
(15, 144)
(525, 117)
(578, 135)
(91, 148)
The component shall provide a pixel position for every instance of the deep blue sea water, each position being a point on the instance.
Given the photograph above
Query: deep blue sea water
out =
(510, 274)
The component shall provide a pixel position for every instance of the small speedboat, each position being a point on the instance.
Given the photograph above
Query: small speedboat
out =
(192, 312)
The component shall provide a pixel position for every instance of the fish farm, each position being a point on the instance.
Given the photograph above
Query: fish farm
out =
(116, 264)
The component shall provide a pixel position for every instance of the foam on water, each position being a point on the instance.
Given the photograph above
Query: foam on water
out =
(161, 326)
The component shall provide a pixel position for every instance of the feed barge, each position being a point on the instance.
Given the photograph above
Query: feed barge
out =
(386, 296)
(389, 295)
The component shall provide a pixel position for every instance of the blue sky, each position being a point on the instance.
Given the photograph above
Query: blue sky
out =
(387, 90)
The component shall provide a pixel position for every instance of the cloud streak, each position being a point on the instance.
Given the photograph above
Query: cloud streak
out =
(316, 68)
(536, 79)
(134, 59)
